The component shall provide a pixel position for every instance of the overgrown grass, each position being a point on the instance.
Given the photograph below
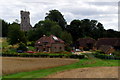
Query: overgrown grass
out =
(81, 64)
(31, 48)
(4, 42)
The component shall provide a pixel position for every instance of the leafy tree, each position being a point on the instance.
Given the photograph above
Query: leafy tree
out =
(15, 35)
(22, 47)
(56, 30)
(45, 27)
(65, 36)
(85, 28)
(33, 35)
(111, 33)
(116, 53)
(5, 26)
(55, 15)
(74, 29)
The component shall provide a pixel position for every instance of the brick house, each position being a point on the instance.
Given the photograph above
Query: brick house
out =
(106, 49)
(85, 43)
(49, 44)
(108, 45)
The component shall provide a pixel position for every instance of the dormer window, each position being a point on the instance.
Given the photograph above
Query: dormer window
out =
(55, 38)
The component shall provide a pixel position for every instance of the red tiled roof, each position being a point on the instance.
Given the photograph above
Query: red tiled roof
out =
(50, 39)
(108, 41)
(84, 41)
(105, 48)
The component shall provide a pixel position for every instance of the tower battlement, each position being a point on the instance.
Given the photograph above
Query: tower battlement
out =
(25, 21)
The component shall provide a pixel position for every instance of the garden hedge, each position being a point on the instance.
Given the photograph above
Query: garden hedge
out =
(43, 55)
(106, 56)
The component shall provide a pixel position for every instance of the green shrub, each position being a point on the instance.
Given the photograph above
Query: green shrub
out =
(116, 53)
(22, 47)
(32, 43)
(43, 55)
(104, 56)
(67, 48)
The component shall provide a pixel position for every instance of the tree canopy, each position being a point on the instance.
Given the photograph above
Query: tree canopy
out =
(5, 26)
(15, 35)
(55, 24)
(46, 27)
(55, 15)
(85, 28)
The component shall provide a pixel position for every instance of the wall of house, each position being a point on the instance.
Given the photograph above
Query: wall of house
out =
(57, 47)
(39, 48)
(42, 48)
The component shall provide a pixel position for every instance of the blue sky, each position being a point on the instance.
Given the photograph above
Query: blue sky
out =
(105, 11)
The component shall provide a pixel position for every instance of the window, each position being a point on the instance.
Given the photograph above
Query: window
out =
(60, 47)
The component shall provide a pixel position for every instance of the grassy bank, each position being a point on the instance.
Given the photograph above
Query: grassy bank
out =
(81, 64)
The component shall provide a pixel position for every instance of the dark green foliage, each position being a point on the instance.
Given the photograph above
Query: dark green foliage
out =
(106, 56)
(68, 48)
(32, 43)
(22, 47)
(65, 36)
(111, 33)
(46, 27)
(116, 53)
(74, 29)
(43, 55)
(86, 48)
(15, 35)
(85, 28)
(77, 56)
(4, 26)
(55, 15)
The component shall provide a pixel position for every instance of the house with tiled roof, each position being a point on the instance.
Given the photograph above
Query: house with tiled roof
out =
(49, 44)
(85, 43)
(108, 45)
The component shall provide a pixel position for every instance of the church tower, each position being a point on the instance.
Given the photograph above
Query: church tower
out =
(25, 21)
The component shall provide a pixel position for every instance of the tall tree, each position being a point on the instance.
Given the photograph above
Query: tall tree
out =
(66, 37)
(74, 29)
(15, 35)
(85, 28)
(5, 26)
(46, 27)
(56, 16)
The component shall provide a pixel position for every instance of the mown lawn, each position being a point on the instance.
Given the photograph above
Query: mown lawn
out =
(81, 64)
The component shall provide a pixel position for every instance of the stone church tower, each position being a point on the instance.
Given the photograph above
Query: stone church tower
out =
(25, 21)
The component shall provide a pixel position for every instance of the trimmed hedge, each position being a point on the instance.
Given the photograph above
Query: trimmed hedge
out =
(105, 56)
(43, 55)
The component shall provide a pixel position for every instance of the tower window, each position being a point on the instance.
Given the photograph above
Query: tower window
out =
(24, 17)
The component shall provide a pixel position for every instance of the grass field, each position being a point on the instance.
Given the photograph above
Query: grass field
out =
(81, 64)
(12, 65)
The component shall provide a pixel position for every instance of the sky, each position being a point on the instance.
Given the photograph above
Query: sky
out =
(104, 11)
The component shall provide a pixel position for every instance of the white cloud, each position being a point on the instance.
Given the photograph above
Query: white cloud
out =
(101, 10)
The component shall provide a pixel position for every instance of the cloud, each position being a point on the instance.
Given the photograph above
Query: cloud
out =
(103, 3)
(101, 10)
